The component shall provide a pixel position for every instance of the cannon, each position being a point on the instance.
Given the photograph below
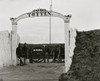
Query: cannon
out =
(37, 53)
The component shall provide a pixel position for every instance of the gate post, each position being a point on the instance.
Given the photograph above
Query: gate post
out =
(13, 41)
(67, 42)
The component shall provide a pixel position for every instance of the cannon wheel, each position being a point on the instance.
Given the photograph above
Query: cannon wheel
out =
(38, 56)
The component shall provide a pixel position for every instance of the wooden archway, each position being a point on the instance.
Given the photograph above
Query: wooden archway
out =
(40, 13)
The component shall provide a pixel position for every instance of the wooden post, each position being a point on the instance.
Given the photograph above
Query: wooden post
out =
(13, 42)
(67, 42)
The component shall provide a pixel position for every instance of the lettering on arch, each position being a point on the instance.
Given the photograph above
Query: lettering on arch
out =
(39, 13)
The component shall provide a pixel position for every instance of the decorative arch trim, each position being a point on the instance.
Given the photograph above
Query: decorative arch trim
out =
(40, 13)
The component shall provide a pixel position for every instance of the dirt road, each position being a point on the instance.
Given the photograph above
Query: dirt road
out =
(32, 72)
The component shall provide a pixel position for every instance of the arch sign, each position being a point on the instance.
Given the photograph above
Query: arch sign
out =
(39, 13)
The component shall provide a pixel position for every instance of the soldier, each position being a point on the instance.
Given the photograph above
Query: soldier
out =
(24, 50)
(56, 54)
(44, 53)
(30, 56)
(47, 53)
(60, 54)
(19, 54)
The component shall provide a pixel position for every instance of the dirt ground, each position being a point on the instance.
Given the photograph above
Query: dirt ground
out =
(32, 72)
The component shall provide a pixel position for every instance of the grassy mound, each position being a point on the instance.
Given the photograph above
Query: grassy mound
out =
(86, 60)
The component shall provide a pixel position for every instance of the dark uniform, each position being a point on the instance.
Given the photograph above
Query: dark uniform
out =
(19, 54)
(24, 50)
(56, 54)
(46, 52)
(30, 56)
(60, 55)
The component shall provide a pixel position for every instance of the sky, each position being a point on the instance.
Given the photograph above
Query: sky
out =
(85, 16)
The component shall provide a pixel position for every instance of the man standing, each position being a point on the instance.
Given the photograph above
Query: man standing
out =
(56, 55)
(19, 55)
(30, 55)
(44, 53)
(24, 51)
(47, 53)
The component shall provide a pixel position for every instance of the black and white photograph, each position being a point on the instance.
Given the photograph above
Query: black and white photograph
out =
(49, 40)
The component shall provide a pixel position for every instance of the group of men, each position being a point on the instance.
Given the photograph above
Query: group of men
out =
(21, 54)
(57, 52)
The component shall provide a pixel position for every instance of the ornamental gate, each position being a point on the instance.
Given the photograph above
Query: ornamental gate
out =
(40, 13)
